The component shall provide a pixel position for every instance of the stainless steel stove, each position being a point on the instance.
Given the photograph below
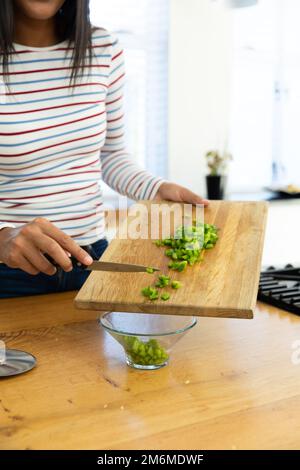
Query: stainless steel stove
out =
(281, 288)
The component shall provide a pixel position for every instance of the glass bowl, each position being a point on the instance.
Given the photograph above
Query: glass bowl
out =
(146, 338)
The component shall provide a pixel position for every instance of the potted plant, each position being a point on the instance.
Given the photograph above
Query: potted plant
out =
(216, 179)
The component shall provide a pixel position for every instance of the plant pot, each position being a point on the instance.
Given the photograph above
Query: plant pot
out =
(215, 186)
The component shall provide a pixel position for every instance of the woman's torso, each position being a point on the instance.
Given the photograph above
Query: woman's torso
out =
(51, 136)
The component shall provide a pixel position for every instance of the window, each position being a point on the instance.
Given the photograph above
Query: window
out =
(266, 95)
(142, 27)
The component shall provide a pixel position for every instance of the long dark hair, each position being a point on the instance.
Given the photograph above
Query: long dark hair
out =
(73, 24)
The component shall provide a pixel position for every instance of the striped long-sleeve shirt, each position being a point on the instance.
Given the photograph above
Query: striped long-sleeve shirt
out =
(57, 141)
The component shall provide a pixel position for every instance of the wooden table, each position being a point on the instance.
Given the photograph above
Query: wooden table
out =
(231, 384)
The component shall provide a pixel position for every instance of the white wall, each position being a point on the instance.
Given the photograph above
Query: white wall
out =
(200, 78)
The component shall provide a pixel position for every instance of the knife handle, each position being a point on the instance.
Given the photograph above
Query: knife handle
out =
(74, 261)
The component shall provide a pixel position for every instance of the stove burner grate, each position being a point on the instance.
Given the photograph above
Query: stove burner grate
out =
(281, 288)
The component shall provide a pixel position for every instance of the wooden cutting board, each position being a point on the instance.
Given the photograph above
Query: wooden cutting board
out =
(225, 284)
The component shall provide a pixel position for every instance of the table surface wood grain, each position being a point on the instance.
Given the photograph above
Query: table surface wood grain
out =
(231, 384)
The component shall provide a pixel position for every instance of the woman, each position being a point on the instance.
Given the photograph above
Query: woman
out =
(61, 130)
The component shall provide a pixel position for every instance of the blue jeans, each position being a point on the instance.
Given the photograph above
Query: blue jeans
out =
(17, 283)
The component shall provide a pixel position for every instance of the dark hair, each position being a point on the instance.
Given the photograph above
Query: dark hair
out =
(73, 24)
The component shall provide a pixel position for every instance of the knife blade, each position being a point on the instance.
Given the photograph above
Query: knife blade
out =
(105, 266)
(117, 267)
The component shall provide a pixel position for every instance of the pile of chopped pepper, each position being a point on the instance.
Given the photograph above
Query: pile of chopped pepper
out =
(185, 248)
(188, 245)
(149, 353)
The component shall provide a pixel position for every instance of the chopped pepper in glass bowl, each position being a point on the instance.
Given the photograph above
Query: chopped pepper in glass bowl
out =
(147, 339)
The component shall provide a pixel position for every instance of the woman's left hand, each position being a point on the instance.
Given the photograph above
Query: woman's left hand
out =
(175, 192)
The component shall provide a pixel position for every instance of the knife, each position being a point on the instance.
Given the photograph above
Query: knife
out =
(106, 266)
(114, 267)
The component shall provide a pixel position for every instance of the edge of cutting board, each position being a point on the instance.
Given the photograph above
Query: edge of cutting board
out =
(168, 310)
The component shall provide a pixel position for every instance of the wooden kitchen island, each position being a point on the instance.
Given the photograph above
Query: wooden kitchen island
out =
(231, 384)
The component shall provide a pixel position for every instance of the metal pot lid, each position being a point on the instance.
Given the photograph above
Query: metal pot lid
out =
(16, 362)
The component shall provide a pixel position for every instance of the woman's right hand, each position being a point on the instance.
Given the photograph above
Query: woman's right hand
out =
(24, 248)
